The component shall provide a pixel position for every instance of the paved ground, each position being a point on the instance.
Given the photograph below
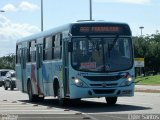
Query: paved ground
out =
(15, 104)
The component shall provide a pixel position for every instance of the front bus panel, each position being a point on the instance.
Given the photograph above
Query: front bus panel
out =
(101, 63)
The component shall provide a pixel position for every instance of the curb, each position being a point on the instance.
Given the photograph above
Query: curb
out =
(147, 90)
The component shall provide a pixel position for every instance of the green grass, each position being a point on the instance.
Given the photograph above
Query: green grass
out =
(149, 80)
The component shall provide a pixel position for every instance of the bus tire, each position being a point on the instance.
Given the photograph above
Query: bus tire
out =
(111, 100)
(5, 87)
(76, 100)
(11, 86)
(40, 99)
(55, 87)
(32, 97)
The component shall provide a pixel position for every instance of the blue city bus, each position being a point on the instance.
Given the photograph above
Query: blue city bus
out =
(84, 59)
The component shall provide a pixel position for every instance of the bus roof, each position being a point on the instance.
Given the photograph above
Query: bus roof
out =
(44, 33)
(68, 27)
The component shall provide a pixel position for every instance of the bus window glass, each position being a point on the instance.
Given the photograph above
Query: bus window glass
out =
(48, 48)
(33, 51)
(18, 54)
(101, 54)
(28, 52)
(57, 46)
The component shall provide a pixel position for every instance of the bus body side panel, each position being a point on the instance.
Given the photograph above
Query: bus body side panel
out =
(47, 77)
(51, 70)
(31, 75)
(18, 77)
(39, 57)
(58, 73)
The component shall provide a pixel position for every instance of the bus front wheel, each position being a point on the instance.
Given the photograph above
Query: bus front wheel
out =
(111, 100)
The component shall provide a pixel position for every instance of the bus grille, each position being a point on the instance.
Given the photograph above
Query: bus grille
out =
(103, 78)
(107, 85)
(103, 91)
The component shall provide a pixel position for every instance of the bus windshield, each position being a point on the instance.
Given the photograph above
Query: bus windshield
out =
(99, 54)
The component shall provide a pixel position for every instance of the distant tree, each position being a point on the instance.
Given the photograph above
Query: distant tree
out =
(149, 48)
(7, 62)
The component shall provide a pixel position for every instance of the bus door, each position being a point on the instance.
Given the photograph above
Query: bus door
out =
(23, 68)
(39, 68)
(66, 68)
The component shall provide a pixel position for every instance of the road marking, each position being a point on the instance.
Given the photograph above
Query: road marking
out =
(39, 113)
(21, 110)
(49, 117)
(89, 116)
(136, 103)
(122, 118)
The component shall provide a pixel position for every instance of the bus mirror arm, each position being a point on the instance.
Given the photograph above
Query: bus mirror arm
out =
(70, 46)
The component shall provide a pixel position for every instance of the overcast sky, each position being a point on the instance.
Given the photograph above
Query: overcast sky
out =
(22, 17)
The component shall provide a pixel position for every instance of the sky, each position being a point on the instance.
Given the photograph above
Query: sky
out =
(23, 17)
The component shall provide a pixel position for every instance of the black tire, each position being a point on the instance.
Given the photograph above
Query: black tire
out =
(111, 100)
(32, 97)
(77, 100)
(11, 86)
(40, 99)
(5, 87)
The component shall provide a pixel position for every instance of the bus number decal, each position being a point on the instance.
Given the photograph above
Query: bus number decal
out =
(82, 74)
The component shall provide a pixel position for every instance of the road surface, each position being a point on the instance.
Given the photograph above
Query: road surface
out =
(15, 105)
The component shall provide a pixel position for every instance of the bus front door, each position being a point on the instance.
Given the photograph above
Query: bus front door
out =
(39, 70)
(66, 69)
(23, 68)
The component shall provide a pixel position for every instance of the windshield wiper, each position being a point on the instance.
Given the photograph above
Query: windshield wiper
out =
(113, 44)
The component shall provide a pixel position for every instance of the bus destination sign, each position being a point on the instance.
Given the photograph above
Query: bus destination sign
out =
(99, 29)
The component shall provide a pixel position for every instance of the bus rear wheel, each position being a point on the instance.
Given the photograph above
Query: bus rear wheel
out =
(111, 100)
(32, 97)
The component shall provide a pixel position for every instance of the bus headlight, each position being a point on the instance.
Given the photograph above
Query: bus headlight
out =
(79, 83)
(128, 80)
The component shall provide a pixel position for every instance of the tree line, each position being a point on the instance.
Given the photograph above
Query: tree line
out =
(147, 46)
(7, 62)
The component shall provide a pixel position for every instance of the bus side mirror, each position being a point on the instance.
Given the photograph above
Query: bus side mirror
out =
(70, 46)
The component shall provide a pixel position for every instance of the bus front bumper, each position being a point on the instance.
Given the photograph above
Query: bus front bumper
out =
(78, 92)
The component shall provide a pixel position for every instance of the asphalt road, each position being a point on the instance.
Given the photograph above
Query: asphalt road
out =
(14, 105)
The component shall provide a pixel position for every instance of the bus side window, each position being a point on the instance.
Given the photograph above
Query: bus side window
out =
(33, 51)
(48, 48)
(53, 45)
(58, 46)
(28, 52)
(18, 53)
